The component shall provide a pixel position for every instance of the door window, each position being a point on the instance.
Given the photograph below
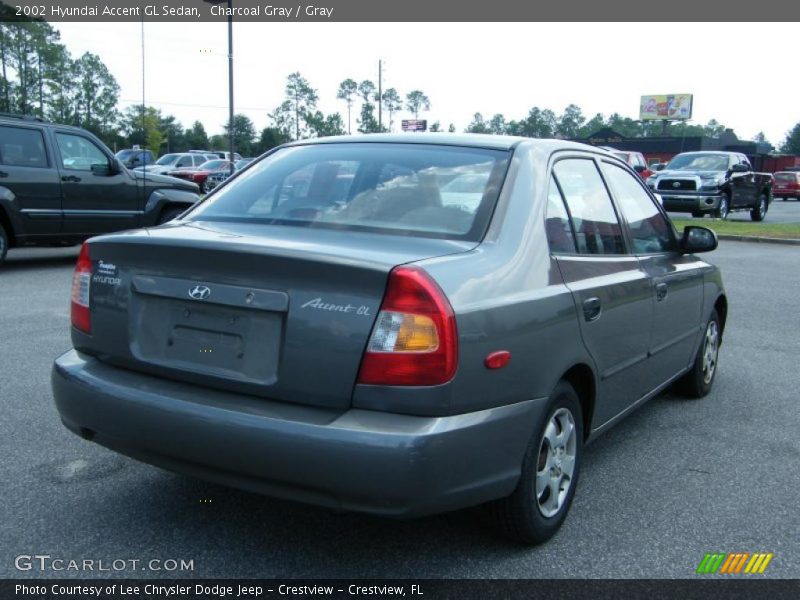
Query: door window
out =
(650, 230)
(22, 147)
(78, 153)
(597, 228)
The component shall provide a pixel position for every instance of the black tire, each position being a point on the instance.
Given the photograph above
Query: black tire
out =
(203, 187)
(695, 384)
(3, 244)
(698, 215)
(170, 213)
(760, 210)
(519, 515)
(724, 208)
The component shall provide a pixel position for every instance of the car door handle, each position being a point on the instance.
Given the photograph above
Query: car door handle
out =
(661, 291)
(591, 309)
(3, 174)
(71, 178)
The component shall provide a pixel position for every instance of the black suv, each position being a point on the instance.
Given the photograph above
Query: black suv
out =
(61, 185)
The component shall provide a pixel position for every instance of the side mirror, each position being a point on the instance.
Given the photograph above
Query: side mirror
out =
(639, 168)
(740, 168)
(658, 167)
(106, 169)
(698, 239)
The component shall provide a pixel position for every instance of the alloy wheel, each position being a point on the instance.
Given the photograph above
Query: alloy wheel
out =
(555, 466)
(710, 351)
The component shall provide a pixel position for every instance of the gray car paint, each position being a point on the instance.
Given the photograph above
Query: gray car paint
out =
(508, 293)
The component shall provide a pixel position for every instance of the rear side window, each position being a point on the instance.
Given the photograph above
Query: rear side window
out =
(405, 189)
(786, 177)
(21, 147)
(559, 232)
(650, 230)
(597, 228)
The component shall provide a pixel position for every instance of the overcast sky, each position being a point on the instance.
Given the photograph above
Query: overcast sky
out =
(740, 73)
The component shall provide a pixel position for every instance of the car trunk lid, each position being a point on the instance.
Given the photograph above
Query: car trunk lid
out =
(260, 309)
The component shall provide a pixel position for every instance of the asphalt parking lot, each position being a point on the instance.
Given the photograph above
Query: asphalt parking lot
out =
(780, 211)
(675, 480)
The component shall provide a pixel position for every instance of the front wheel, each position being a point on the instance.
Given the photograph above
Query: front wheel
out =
(698, 381)
(760, 211)
(534, 512)
(724, 208)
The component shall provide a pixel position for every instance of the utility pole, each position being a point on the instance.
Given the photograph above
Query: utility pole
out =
(380, 95)
(230, 81)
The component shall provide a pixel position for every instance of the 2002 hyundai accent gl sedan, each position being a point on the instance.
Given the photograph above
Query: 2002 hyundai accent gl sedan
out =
(398, 325)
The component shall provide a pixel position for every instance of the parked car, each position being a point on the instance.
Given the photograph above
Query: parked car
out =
(216, 178)
(367, 347)
(61, 185)
(787, 185)
(200, 175)
(135, 158)
(635, 160)
(713, 183)
(175, 161)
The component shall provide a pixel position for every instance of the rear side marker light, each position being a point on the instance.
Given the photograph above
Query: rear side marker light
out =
(414, 341)
(81, 288)
(497, 360)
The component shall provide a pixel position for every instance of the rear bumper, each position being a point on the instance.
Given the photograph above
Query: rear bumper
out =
(690, 202)
(360, 460)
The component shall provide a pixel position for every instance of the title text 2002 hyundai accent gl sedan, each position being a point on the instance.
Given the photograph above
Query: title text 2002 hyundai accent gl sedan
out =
(398, 325)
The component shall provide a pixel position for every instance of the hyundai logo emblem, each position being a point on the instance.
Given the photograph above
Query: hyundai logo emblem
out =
(200, 292)
(676, 184)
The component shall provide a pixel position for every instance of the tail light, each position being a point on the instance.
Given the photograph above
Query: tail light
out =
(81, 284)
(414, 340)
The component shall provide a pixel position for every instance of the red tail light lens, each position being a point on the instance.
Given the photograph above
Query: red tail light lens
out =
(81, 284)
(414, 340)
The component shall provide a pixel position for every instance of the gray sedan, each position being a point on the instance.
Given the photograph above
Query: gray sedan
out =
(348, 323)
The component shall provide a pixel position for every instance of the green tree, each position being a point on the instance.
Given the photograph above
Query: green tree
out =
(366, 89)
(435, 127)
(498, 125)
(570, 122)
(593, 125)
(392, 103)
(791, 144)
(478, 124)
(367, 123)
(270, 138)
(244, 134)
(416, 101)
(538, 124)
(97, 95)
(451, 128)
(196, 137)
(301, 99)
(323, 126)
(347, 90)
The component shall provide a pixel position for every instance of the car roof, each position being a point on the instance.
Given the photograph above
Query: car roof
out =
(474, 140)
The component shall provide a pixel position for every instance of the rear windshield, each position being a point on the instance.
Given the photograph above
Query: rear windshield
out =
(785, 177)
(405, 189)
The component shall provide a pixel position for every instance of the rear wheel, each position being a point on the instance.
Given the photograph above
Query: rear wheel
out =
(698, 215)
(169, 214)
(533, 513)
(760, 210)
(3, 244)
(698, 381)
(724, 208)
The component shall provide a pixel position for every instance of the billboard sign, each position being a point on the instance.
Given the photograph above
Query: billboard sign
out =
(667, 107)
(415, 125)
